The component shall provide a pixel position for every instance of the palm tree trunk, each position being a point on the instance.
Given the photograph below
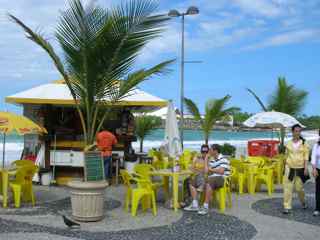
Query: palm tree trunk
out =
(141, 144)
(282, 136)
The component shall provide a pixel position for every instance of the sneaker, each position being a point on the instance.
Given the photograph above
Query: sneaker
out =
(191, 208)
(203, 211)
(200, 189)
(286, 211)
(316, 213)
(304, 206)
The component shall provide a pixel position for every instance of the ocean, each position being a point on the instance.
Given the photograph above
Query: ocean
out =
(193, 139)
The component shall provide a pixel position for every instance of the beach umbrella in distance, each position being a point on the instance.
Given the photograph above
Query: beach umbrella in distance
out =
(271, 119)
(13, 123)
(172, 141)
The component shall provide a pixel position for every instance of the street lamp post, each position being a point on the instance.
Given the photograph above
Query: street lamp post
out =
(174, 13)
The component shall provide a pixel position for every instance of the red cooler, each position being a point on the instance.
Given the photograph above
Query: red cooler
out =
(267, 148)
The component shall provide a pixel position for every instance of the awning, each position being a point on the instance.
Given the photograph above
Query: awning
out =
(58, 94)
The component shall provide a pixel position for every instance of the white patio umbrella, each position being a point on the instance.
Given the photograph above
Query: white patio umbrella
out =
(172, 142)
(271, 119)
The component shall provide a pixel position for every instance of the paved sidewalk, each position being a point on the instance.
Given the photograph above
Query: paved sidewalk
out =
(241, 222)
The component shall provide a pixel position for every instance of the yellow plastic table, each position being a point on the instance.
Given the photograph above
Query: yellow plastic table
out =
(4, 174)
(166, 174)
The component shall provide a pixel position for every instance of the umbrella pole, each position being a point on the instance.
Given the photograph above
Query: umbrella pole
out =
(3, 149)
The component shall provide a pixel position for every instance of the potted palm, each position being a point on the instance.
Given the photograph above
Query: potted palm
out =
(99, 48)
(215, 110)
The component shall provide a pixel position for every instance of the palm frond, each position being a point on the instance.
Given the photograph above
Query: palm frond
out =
(258, 99)
(99, 47)
(192, 109)
(287, 98)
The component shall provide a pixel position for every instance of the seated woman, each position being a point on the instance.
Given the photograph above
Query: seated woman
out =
(197, 181)
(198, 167)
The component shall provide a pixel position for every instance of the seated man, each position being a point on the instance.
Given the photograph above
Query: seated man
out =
(217, 168)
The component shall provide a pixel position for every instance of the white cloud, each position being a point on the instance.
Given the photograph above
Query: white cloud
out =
(287, 38)
(266, 8)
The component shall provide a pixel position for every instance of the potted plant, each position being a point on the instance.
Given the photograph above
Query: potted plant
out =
(99, 48)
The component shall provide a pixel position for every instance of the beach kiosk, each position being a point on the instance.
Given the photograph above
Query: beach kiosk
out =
(52, 106)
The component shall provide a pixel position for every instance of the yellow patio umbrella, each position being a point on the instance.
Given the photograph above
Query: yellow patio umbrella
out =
(13, 123)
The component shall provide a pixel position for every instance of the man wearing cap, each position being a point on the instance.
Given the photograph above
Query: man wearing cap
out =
(217, 167)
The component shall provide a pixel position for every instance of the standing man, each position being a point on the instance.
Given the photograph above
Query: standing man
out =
(105, 141)
(297, 155)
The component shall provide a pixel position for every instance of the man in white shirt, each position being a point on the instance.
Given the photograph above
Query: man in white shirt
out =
(217, 167)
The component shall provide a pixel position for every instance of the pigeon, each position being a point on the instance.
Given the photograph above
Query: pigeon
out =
(70, 223)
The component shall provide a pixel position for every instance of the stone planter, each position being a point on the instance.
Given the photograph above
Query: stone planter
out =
(87, 200)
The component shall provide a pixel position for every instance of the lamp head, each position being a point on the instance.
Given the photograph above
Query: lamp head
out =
(174, 13)
(192, 10)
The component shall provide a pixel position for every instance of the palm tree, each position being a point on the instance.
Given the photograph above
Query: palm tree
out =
(144, 125)
(99, 49)
(286, 98)
(215, 110)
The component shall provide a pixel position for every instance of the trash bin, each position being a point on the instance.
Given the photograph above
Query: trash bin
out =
(45, 176)
(130, 160)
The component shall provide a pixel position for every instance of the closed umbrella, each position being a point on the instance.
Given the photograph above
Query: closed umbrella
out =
(13, 123)
(172, 140)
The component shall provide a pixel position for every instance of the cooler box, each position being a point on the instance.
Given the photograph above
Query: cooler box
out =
(267, 148)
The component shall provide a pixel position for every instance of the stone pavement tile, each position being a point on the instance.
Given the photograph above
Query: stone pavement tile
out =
(270, 227)
(34, 236)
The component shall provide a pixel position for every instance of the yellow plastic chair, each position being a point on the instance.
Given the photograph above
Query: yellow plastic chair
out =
(22, 184)
(278, 161)
(23, 162)
(263, 174)
(223, 195)
(144, 171)
(159, 160)
(143, 191)
(260, 161)
(151, 153)
(238, 176)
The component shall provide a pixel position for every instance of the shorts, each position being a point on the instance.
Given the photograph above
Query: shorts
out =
(197, 180)
(216, 182)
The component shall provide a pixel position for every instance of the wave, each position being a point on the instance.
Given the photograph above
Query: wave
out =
(15, 147)
(149, 144)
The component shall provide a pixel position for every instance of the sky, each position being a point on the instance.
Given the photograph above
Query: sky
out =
(240, 43)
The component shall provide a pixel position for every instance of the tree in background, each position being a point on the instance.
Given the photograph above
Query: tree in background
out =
(285, 98)
(215, 110)
(239, 117)
(144, 125)
(311, 122)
